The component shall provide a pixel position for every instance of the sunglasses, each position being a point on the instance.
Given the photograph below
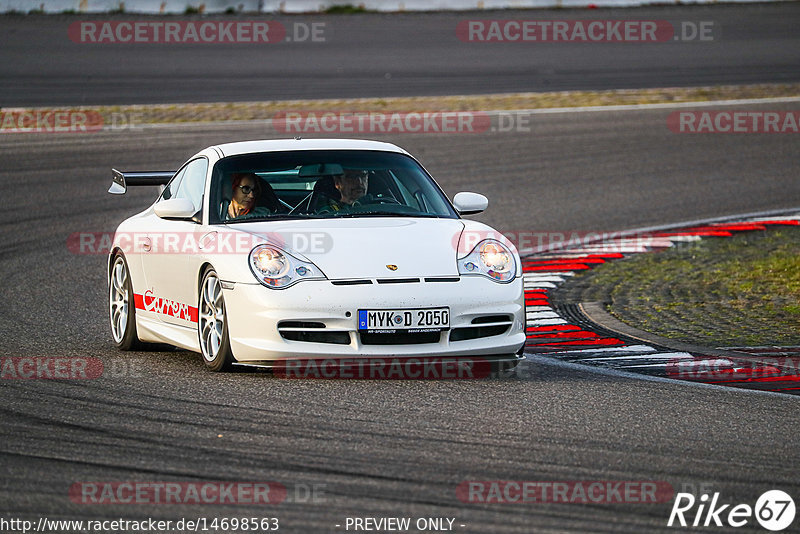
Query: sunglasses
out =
(246, 189)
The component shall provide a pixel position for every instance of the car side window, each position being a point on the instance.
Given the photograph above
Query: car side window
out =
(172, 187)
(194, 181)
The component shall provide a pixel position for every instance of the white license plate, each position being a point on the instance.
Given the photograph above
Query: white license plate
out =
(417, 320)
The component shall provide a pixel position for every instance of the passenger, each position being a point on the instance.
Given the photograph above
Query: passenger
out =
(246, 188)
(352, 186)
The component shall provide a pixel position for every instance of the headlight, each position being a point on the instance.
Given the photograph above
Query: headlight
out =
(490, 258)
(277, 269)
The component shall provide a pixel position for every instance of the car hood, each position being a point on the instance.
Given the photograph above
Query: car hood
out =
(356, 248)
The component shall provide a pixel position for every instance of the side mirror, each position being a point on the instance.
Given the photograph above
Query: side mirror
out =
(175, 208)
(470, 203)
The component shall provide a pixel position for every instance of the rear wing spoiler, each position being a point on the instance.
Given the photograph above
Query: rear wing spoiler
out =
(121, 180)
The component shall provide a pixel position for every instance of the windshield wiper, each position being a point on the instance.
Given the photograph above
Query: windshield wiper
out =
(268, 218)
(383, 214)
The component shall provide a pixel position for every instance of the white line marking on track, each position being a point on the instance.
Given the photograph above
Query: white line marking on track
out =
(542, 278)
(546, 322)
(542, 315)
(639, 107)
(658, 356)
(661, 365)
(619, 373)
(685, 238)
(610, 350)
(538, 285)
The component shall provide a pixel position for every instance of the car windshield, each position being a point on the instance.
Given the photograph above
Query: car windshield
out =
(323, 184)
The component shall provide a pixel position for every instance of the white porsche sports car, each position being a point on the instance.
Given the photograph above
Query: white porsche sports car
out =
(260, 251)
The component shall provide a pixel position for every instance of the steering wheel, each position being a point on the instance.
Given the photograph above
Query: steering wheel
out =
(306, 201)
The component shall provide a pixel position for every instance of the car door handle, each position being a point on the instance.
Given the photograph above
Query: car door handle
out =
(208, 240)
(146, 244)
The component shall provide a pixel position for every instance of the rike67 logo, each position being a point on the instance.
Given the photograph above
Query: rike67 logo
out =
(774, 510)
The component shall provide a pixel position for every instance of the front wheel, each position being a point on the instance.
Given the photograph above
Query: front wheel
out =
(212, 326)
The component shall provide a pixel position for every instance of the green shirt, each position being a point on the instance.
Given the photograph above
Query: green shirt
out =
(334, 206)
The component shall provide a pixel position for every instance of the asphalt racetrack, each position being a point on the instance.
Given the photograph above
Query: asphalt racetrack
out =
(358, 448)
(381, 448)
(379, 55)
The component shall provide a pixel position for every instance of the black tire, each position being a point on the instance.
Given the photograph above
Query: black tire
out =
(212, 324)
(507, 367)
(121, 308)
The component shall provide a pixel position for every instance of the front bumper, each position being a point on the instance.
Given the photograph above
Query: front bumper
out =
(254, 313)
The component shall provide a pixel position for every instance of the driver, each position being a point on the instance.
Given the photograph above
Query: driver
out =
(352, 186)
